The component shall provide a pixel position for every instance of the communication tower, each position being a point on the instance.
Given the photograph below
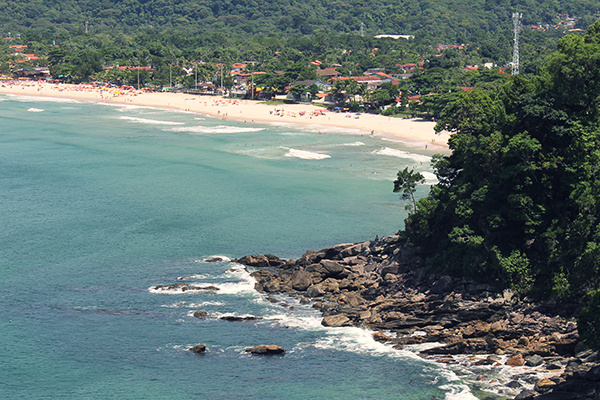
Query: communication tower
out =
(517, 27)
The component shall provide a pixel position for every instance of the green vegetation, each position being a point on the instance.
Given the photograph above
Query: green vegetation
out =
(517, 200)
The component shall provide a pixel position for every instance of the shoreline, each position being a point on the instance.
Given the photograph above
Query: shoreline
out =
(500, 344)
(412, 132)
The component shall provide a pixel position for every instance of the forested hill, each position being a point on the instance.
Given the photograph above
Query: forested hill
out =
(453, 20)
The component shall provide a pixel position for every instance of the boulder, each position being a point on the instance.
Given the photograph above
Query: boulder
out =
(200, 314)
(336, 320)
(201, 348)
(442, 285)
(526, 395)
(534, 360)
(544, 385)
(301, 280)
(516, 361)
(380, 337)
(315, 291)
(261, 261)
(268, 349)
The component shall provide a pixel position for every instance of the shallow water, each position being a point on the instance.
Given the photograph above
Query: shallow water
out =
(101, 203)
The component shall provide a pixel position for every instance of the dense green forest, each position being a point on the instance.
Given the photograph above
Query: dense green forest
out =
(457, 21)
(517, 203)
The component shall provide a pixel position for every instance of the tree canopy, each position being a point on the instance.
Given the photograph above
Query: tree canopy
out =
(517, 200)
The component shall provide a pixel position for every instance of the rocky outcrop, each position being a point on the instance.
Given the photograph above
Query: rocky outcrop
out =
(269, 349)
(200, 314)
(239, 318)
(383, 286)
(183, 287)
(201, 348)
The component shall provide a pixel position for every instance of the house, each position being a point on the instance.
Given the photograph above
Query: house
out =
(35, 73)
(323, 86)
(406, 68)
(327, 72)
(372, 82)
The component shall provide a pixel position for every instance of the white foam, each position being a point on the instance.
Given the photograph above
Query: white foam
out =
(304, 154)
(388, 151)
(183, 304)
(214, 129)
(430, 177)
(36, 99)
(36, 110)
(246, 285)
(355, 144)
(150, 121)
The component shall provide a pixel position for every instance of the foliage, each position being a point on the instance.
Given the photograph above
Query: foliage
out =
(588, 322)
(406, 184)
(516, 203)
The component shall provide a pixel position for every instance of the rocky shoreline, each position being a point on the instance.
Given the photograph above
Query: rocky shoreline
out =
(383, 286)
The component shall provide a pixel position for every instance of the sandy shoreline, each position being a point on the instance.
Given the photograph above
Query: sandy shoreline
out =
(413, 132)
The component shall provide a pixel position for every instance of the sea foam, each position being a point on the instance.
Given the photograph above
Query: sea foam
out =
(305, 154)
(36, 110)
(355, 144)
(214, 129)
(150, 121)
(388, 151)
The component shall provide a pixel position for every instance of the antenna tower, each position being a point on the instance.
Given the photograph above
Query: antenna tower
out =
(517, 27)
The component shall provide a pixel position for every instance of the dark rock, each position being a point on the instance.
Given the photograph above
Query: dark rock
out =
(239, 318)
(552, 365)
(534, 360)
(526, 395)
(201, 348)
(442, 285)
(184, 287)
(514, 385)
(213, 260)
(200, 314)
(269, 349)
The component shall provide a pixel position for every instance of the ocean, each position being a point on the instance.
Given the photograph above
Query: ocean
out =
(99, 204)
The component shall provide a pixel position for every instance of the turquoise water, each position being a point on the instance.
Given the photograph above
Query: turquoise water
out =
(101, 203)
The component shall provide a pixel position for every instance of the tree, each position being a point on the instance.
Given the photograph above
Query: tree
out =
(516, 203)
(406, 184)
(588, 322)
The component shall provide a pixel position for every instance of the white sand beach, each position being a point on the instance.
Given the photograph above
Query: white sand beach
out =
(413, 132)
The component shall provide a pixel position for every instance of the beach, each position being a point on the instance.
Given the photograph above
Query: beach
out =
(413, 132)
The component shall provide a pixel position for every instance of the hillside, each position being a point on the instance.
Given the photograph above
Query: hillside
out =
(443, 20)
